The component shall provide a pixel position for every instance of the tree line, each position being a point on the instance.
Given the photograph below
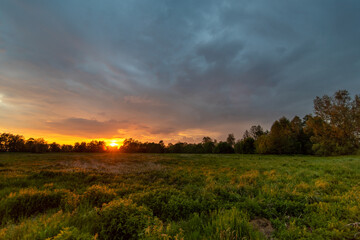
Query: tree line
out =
(17, 143)
(334, 129)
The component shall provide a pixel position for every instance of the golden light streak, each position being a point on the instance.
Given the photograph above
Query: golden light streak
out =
(113, 144)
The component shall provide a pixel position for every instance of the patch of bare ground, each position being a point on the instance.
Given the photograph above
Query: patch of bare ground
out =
(113, 167)
(263, 225)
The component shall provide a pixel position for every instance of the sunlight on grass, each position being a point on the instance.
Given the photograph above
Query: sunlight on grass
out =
(137, 196)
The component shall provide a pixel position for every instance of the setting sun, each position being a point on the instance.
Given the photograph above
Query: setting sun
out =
(114, 144)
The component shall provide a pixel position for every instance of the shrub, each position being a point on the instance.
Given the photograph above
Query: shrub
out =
(28, 202)
(168, 204)
(70, 200)
(40, 227)
(122, 219)
(97, 195)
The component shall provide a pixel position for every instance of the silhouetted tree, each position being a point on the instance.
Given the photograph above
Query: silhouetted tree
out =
(223, 147)
(11, 143)
(208, 145)
(256, 132)
(176, 148)
(36, 145)
(80, 147)
(231, 139)
(67, 148)
(130, 146)
(245, 146)
(54, 147)
(246, 134)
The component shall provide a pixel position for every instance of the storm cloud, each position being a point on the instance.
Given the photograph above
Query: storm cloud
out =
(172, 70)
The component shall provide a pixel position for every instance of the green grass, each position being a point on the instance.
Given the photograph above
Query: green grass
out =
(178, 196)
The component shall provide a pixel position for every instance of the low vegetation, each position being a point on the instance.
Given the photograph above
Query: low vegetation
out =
(178, 196)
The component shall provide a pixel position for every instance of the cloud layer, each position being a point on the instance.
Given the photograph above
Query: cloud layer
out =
(171, 70)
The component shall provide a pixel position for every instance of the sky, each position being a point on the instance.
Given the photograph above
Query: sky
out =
(170, 70)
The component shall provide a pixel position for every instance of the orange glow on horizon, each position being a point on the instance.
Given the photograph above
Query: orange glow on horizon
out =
(114, 143)
(190, 136)
(61, 139)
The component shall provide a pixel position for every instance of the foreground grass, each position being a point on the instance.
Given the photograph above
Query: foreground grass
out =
(149, 196)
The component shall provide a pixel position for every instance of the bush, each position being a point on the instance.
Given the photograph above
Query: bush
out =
(28, 202)
(97, 195)
(70, 200)
(122, 219)
(168, 204)
(43, 226)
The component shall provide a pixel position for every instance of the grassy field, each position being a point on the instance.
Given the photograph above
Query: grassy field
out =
(149, 196)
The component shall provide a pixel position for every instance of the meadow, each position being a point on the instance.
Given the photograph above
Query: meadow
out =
(178, 196)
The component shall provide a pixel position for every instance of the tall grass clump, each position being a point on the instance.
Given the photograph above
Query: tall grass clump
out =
(46, 226)
(218, 225)
(72, 233)
(96, 195)
(122, 219)
(168, 204)
(229, 224)
(27, 202)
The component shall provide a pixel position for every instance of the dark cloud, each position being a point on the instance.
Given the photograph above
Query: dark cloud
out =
(169, 68)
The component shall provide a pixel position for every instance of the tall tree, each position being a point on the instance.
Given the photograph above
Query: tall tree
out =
(256, 131)
(231, 139)
(223, 147)
(245, 146)
(336, 123)
(208, 145)
(246, 134)
(54, 147)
